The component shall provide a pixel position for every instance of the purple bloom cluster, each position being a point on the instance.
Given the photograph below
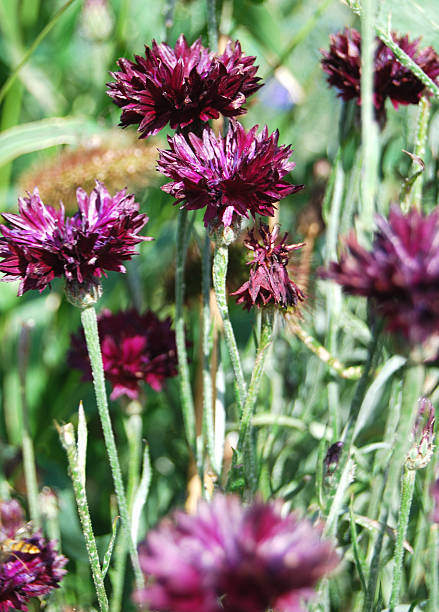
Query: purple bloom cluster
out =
(232, 177)
(135, 348)
(42, 243)
(392, 80)
(400, 273)
(24, 575)
(269, 283)
(233, 558)
(184, 86)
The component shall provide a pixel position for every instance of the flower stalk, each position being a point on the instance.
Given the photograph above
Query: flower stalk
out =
(244, 441)
(219, 272)
(180, 336)
(89, 322)
(67, 437)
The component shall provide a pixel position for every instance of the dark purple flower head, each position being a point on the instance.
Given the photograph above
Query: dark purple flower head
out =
(232, 177)
(232, 558)
(391, 79)
(184, 86)
(135, 348)
(400, 273)
(41, 243)
(269, 283)
(33, 571)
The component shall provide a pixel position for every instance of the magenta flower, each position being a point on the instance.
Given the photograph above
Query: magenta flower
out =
(42, 243)
(269, 283)
(32, 572)
(184, 86)
(135, 348)
(391, 79)
(232, 177)
(232, 558)
(400, 273)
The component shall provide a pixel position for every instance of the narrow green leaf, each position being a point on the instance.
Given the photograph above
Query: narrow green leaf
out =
(141, 495)
(82, 443)
(107, 557)
(358, 555)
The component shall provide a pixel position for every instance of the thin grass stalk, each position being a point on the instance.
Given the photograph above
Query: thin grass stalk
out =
(412, 189)
(183, 367)
(369, 131)
(433, 600)
(41, 36)
(133, 430)
(27, 445)
(212, 26)
(408, 487)
(245, 432)
(219, 272)
(67, 437)
(89, 323)
(208, 422)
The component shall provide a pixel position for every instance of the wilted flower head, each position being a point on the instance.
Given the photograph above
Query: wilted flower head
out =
(42, 243)
(183, 86)
(391, 79)
(135, 348)
(29, 565)
(232, 177)
(269, 283)
(232, 558)
(423, 436)
(400, 273)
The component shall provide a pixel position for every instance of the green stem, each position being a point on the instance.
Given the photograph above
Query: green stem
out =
(183, 367)
(369, 130)
(411, 194)
(244, 441)
(408, 486)
(219, 272)
(208, 425)
(67, 437)
(29, 465)
(212, 26)
(41, 36)
(89, 322)
(407, 61)
(133, 429)
(434, 569)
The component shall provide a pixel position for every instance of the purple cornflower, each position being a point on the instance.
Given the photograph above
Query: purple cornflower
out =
(184, 86)
(400, 273)
(135, 348)
(269, 283)
(391, 79)
(232, 177)
(30, 567)
(232, 558)
(41, 243)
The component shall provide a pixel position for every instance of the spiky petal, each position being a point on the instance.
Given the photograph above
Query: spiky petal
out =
(184, 86)
(135, 347)
(269, 283)
(233, 558)
(42, 243)
(399, 273)
(232, 177)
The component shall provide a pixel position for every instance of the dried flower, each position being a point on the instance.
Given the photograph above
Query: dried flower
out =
(232, 177)
(423, 437)
(391, 79)
(400, 274)
(269, 283)
(114, 158)
(232, 558)
(184, 86)
(43, 244)
(135, 348)
(30, 566)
